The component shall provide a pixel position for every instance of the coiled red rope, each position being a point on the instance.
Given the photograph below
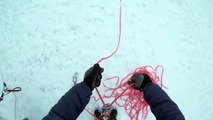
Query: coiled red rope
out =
(128, 98)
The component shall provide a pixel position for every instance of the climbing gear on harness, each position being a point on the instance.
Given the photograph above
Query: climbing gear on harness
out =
(106, 109)
(106, 113)
(6, 90)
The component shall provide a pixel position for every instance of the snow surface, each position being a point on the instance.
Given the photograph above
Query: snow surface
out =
(44, 42)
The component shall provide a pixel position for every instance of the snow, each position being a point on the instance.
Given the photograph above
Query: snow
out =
(43, 43)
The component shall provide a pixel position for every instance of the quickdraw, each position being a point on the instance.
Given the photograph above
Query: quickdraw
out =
(6, 91)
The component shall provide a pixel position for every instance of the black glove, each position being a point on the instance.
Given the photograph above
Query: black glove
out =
(139, 81)
(92, 77)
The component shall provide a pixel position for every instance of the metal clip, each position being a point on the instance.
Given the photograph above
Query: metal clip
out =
(2, 96)
(75, 78)
(4, 87)
(3, 91)
(106, 108)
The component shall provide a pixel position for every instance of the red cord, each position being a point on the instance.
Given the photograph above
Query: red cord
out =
(100, 97)
(120, 95)
(130, 99)
(119, 35)
(119, 39)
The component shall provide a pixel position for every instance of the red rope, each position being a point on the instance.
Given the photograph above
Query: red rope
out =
(107, 57)
(120, 95)
(119, 35)
(130, 99)
(100, 97)
(119, 39)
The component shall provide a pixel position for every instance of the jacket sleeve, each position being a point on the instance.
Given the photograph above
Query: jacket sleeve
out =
(71, 104)
(161, 105)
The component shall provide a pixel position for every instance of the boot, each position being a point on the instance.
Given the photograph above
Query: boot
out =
(113, 114)
(98, 115)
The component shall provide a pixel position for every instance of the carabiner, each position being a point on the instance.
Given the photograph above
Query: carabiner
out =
(75, 78)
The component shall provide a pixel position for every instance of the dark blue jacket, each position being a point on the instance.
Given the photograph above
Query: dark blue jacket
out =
(161, 105)
(70, 106)
(75, 100)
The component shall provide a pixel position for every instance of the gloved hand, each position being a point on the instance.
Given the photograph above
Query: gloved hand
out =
(139, 81)
(92, 77)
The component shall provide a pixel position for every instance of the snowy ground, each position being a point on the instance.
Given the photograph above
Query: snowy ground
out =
(44, 42)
